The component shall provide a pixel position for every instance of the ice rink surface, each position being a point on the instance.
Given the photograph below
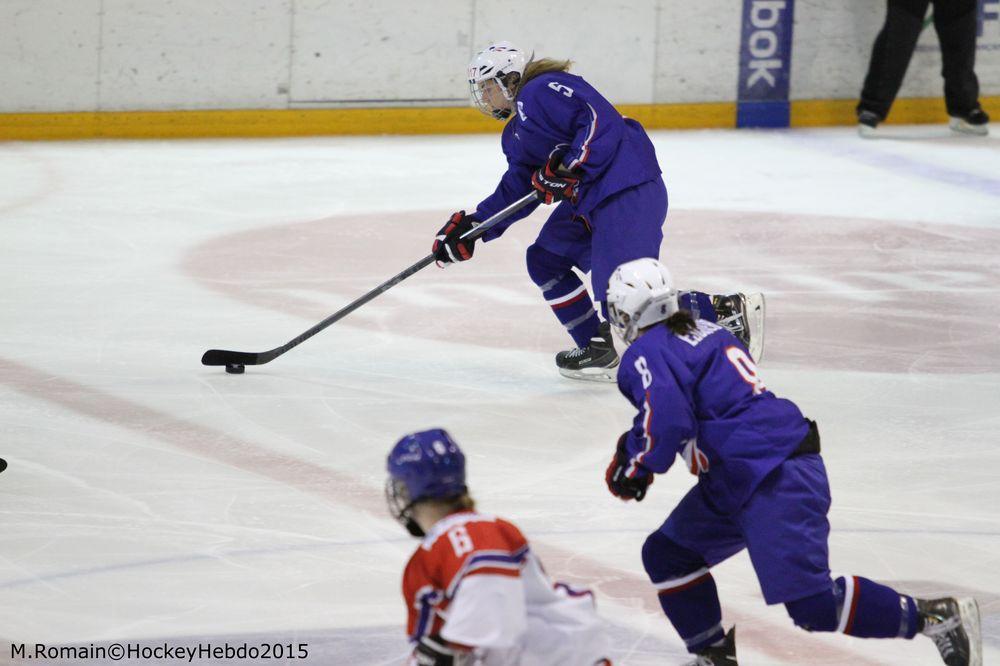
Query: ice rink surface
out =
(151, 499)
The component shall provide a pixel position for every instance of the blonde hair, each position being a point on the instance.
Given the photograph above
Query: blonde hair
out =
(463, 502)
(544, 66)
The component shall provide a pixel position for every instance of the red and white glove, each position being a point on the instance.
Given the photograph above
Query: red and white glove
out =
(554, 182)
(621, 485)
(448, 246)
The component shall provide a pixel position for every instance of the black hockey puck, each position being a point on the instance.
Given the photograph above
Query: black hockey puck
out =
(235, 368)
(3, 464)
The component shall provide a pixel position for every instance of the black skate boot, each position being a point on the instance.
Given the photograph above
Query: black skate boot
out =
(743, 316)
(718, 655)
(953, 625)
(597, 362)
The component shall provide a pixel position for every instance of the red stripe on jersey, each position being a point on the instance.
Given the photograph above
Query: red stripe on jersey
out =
(494, 571)
(585, 148)
(632, 469)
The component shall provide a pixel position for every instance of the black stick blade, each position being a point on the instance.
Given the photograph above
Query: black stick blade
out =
(223, 357)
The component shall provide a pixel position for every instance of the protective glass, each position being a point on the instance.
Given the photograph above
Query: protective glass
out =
(622, 322)
(488, 96)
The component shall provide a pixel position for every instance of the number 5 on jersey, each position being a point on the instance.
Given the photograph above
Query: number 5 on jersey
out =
(558, 87)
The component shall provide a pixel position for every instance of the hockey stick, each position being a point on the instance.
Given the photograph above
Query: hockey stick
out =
(235, 360)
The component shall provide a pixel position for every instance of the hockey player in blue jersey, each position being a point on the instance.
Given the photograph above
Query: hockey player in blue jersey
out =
(761, 486)
(568, 142)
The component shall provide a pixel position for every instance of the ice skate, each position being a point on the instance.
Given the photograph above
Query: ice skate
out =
(743, 316)
(953, 625)
(718, 655)
(867, 122)
(597, 362)
(976, 123)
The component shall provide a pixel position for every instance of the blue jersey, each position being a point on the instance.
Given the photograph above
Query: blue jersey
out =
(699, 397)
(561, 111)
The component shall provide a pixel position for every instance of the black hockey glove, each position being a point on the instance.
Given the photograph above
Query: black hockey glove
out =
(434, 651)
(554, 182)
(448, 246)
(621, 485)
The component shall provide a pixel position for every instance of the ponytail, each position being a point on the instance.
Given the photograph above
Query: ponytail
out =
(681, 323)
(544, 66)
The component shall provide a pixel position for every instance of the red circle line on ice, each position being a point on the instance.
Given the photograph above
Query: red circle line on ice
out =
(843, 293)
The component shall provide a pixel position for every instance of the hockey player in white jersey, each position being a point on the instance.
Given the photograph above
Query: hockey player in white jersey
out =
(476, 594)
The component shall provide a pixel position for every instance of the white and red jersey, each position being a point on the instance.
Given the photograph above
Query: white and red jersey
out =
(475, 582)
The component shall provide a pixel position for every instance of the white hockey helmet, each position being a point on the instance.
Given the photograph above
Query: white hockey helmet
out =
(640, 293)
(494, 63)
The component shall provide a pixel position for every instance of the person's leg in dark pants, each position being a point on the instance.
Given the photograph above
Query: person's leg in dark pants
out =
(955, 23)
(891, 55)
(563, 244)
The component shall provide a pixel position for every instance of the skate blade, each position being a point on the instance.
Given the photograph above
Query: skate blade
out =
(608, 375)
(866, 132)
(755, 310)
(968, 610)
(959, 126)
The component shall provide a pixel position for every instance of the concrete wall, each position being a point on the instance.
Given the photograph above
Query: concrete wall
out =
(111, 55)
(833, 42)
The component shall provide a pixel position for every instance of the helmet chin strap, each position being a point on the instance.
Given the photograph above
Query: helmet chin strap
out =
(510, 94)
(405, 517)
(504, 114)
(413, 528)
(404, 514)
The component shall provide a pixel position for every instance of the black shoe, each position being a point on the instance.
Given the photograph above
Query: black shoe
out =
(975, 122)
(743, 316)
(596, 362)
(953, 625)
(867, 122)
(718, 655)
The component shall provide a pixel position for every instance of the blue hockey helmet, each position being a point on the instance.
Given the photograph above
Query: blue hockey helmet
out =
(423, 465)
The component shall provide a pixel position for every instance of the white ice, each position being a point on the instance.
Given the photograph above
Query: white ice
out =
(150, 499)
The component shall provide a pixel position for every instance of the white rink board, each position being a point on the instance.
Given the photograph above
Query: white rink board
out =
(191, 54)
(57, 55)
(361, 52)
(49, 55)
